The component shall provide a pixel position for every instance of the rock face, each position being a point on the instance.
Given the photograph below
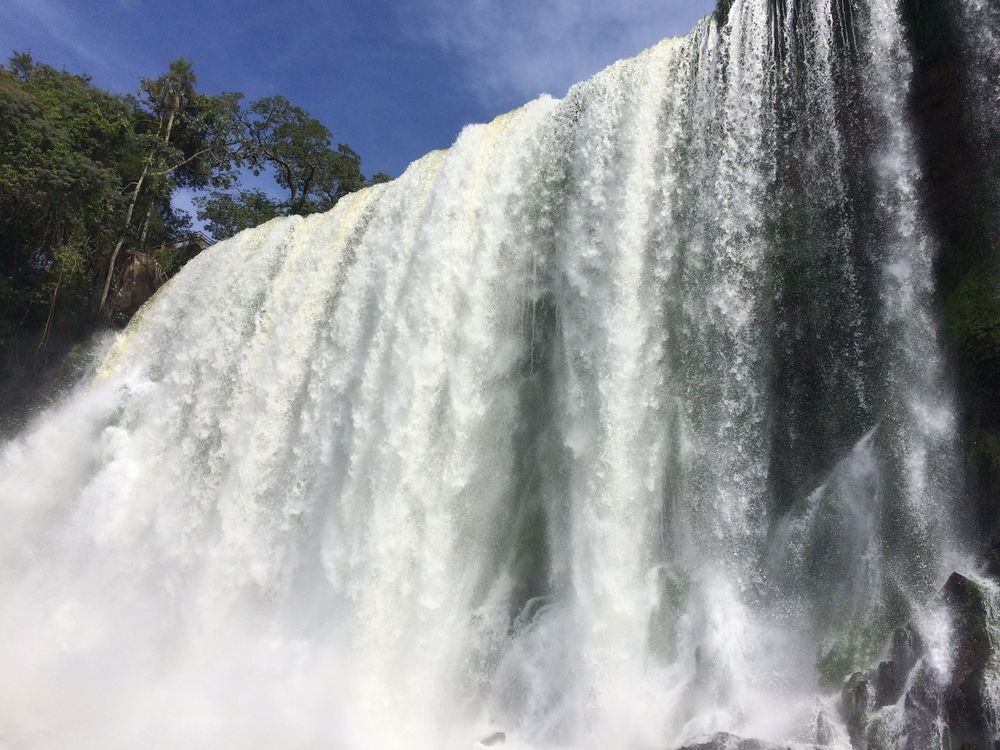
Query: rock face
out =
(867, 692)
(140, 278)
(965, 704)
(726, 741)
(903, 704)
(992, 556)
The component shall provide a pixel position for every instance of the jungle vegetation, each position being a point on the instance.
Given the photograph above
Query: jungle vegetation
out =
(88, 181)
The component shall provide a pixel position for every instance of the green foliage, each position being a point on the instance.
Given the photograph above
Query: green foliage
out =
(973, 319)
(283, 137)
(65, 151)
(225, 214)
(190, 136)
(275, 137)
(855, 649)
(972, 325)
(88, 178)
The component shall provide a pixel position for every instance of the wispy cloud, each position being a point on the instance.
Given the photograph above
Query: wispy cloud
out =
(75, 35)
(516, 49)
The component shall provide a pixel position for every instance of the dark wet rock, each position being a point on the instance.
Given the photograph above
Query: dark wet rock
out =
(969, 610)
(866, 692)
(139, 280)
(964, 702)
(906, 650)
(857, 700)
(726, 741)
(922, 709)
(928, 704)
(142, 274)
(492, 740)
(992, 556)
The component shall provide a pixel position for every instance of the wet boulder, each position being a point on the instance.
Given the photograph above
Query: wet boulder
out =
(965, 704)
(904, 703)
(492, 740)
(867, 692)
(139, 280)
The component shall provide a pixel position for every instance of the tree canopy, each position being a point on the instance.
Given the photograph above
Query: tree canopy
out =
(276, 137)
(88, 181)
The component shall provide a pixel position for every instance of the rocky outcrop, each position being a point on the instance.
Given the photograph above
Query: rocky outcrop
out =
(992, 556)
(965, 704)
(140, 278)
(867, 692)
(905, 704)
(494, 739)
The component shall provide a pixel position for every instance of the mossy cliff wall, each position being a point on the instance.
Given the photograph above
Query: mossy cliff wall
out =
(960, 156)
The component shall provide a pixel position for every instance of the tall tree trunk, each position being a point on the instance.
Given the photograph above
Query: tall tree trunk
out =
(145, 227)
(48, 322)
(102, 307)
(121, 240)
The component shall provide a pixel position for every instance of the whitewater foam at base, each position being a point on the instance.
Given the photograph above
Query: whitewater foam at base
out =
(620, 422)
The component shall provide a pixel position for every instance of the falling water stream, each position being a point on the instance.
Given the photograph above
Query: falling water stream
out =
(620, 422)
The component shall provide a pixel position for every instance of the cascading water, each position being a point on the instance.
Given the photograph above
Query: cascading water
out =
(621, 422)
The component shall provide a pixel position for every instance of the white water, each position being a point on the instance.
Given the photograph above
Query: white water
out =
(493, 447)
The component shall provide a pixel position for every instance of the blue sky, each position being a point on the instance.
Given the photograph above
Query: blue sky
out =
(392, 78)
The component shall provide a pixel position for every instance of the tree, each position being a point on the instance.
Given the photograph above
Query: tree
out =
(284, 137)
(87, 177)
(191, 145)
(339, 173)
(284, 140)
(63, 149)
(225, 214)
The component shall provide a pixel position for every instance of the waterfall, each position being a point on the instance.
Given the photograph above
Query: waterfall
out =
(623, 421)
